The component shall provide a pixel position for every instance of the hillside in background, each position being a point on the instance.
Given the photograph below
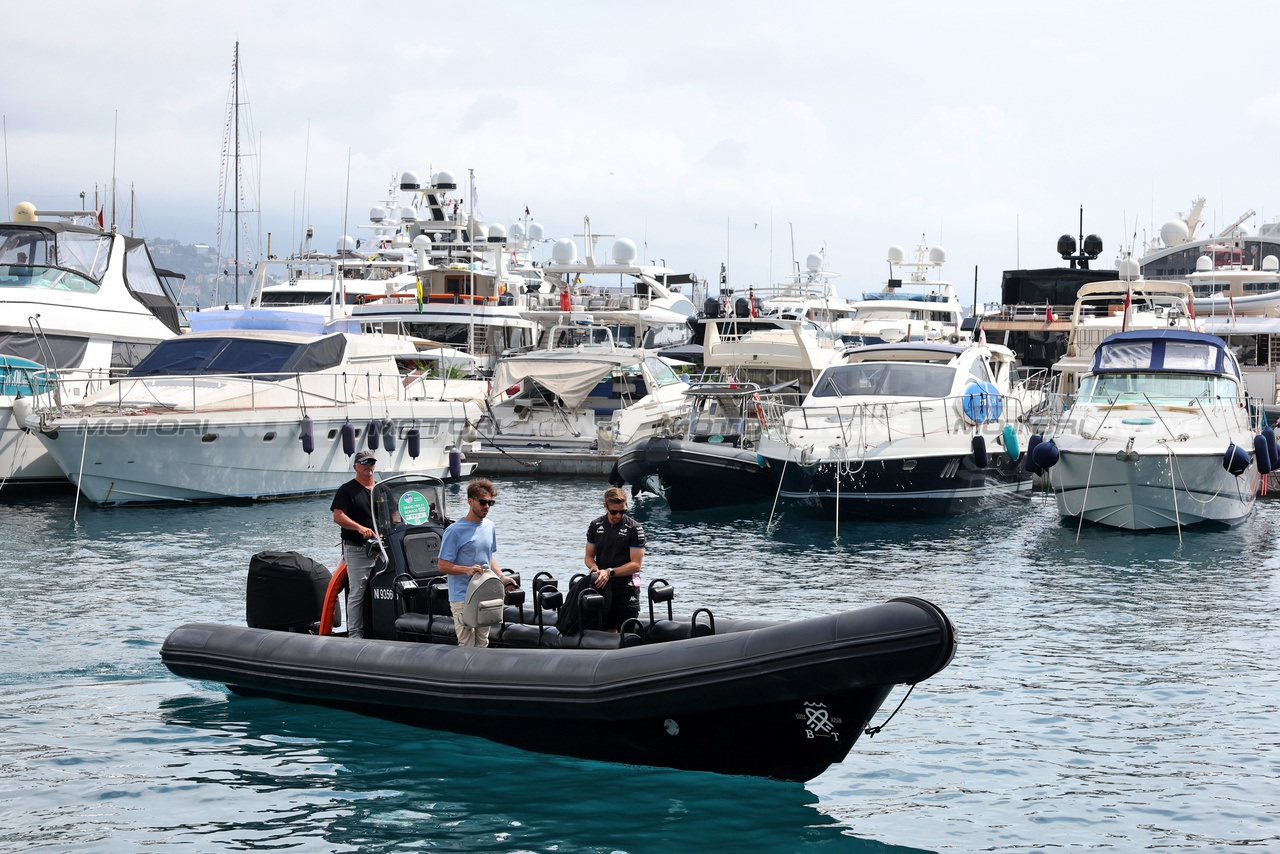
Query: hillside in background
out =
(200, 265)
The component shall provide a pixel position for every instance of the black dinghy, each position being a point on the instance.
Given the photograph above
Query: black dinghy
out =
(773, 699)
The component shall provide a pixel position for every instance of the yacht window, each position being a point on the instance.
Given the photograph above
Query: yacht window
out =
(1181, 389)
(662, 373)
(979, 371)
(898, 379)
(126, 354)
(140, 273)
(67, 350)
(34, 258)
(1186, 356)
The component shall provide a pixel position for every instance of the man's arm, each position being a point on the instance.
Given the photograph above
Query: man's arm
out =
(345, 521)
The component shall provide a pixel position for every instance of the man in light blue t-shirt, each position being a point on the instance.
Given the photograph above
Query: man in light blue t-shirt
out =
(468, 545)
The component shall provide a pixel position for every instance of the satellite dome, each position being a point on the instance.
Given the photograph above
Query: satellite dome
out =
(536, 232)
(24, 212)
(410, 181)
(408, 215)
(813, 262)
(497, 233)
(624, 251)
(1092, 246)
(422, 241)
(444, 180)
(1129, 269)
(1066, 246)
(517, 231)
(1204, 264)
(897, 254)
(377, 213)
(346, 243)
(1270, 264)
(937, 255)
(1174, 233)
(563, 251)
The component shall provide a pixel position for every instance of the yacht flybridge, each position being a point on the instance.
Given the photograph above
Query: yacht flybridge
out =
(78, 306)
(914, 309)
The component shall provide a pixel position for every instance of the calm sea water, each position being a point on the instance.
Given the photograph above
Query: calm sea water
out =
(1119, 693)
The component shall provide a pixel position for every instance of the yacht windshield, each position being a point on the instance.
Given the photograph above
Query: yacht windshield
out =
(64, 261)
(886, 379)
(216, 355)
(1164, 388)
(662, 373)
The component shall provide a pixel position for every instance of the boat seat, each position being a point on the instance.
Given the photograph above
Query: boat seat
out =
(426, 628)
(662, 631)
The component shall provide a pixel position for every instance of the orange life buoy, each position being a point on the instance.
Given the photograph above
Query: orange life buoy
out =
(336, 586)
(760, 412)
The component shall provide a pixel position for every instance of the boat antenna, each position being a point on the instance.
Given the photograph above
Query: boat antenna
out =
(346, 208)
(306, 162)
(8, 202)
(235, 82)
(115, 145)
(795, 264)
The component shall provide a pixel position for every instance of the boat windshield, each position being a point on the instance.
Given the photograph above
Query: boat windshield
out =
(218, 355)
(65, 261)
(662, 373)
(1164, 388)
(886, 379)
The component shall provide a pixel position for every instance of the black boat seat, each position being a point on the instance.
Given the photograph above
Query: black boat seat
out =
(662, 631)
(426, 628)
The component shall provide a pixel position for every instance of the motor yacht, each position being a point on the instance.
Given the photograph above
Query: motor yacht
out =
(78, 307)
(1160, 434)
(913, 309)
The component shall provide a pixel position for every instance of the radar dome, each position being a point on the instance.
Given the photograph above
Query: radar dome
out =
(444, 180)
(346, 243)
(563, 251)
(422, 241)
(24, 212)
(408, 215)
(1129, 269)
(497, 233)
(1204, 264)
(897, 254)
(410, 181)
(517, 231)
(536, 232)
(1174, 233)
(937, 255)
(377, 213)
(1270, 264)
(813, 261)
(624, 251)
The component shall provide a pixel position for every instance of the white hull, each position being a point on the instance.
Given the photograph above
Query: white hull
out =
(135, 459)
(1156, 491)
(23, 460)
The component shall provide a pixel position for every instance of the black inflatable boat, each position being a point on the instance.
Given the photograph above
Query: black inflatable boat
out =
(782, 700)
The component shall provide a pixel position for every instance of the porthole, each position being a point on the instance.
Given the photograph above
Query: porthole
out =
(333, 433)
(209, 437)
(269, 436)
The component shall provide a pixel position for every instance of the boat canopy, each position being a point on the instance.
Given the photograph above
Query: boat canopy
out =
(570, 378)
(1164, 350)
(217, 354)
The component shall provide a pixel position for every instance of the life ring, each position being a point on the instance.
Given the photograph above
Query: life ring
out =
(336, 585)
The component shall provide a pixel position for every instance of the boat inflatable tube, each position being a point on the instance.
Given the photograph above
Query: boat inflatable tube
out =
(1235, 460)
(413, 442)
(1046, 455)
(781, 700)
(981, 403)
(1028, 463)
(371, 431)
(306, 432)
(348, 438)
(1011, 443)
(1262, 454)
(980, 457)
(1270, 435)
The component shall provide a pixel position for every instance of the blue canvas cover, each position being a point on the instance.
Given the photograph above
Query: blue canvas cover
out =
(1164, 350)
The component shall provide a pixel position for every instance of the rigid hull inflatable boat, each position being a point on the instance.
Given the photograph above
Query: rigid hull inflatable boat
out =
(781, 700)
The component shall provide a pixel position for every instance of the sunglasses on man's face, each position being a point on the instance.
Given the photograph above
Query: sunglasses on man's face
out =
(616, 511)
(485, 502)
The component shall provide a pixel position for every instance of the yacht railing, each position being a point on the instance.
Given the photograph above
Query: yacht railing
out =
(1062, 413)
(190, 394)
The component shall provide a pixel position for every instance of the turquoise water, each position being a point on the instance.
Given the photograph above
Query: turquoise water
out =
(1116, 693)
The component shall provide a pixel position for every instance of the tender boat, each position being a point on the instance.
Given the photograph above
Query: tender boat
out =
(1159, 435)
(80, 306)
(909, 429)
(714, 463)
(774, 699)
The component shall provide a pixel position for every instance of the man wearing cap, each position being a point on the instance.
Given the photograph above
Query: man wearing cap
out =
(353, 512)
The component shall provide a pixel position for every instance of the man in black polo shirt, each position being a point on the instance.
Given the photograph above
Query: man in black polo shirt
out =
(353, 512)
(615, 550)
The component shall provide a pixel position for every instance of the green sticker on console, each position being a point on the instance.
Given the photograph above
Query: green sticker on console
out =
(414, 508)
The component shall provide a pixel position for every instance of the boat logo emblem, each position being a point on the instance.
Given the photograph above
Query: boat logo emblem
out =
(671, 727)
(818, 722)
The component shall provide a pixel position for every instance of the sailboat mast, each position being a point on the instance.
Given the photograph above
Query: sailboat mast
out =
(235, 223)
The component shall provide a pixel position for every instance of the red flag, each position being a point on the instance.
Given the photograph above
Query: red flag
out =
(526, 210)
(1231, 301)
(1124, 320)
(100, 225)
(1048, 313)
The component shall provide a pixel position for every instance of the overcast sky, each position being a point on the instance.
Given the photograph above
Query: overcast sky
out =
(707, 130)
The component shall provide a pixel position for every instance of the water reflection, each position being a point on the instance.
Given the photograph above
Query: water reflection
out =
(359, 779)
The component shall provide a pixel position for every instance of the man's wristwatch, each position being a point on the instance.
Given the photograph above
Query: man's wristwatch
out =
(611, 572)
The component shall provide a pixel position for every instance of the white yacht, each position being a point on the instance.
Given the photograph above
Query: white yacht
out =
(915, 309)
(907, 429)
(581, 392)
(1160, 435)
(810, 297)
(260, 403)
(1184, 239)
(80, 306)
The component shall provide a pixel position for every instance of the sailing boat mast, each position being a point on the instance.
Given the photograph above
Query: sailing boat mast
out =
(235, 84)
